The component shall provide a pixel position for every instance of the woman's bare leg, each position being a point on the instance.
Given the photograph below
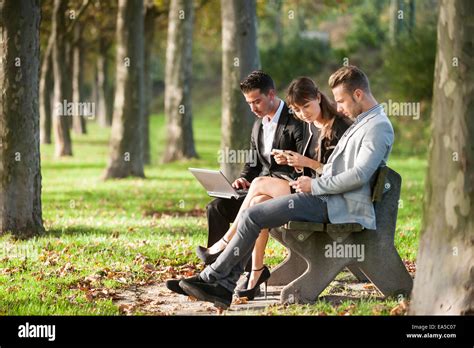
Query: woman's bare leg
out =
(258, 252)
(264, 185)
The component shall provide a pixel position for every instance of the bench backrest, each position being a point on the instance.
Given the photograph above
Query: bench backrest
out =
(386, 196)
(379, 183)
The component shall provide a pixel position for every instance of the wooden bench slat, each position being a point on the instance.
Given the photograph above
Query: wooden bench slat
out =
(320, 227)
(305, 226)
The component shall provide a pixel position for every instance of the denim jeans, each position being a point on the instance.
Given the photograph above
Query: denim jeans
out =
(228, 267)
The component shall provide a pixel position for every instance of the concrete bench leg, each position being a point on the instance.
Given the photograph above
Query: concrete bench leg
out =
(288, 270)
(387, 272)
(317, 277)
(355, 270)
(294, 265)
(320, 272)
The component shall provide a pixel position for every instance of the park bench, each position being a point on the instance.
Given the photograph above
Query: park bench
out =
(306, 271)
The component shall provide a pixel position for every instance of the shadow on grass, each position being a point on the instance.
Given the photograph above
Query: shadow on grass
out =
(77, 230)
(122, 232)
(92, 142)
(174, 213)
(74, 166)
(336, 300)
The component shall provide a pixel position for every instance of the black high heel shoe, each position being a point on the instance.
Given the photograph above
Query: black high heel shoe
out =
(250, 293)
(243, 283)
(208, 258)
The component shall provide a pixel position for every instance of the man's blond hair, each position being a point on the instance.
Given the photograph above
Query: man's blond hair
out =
(351, 77)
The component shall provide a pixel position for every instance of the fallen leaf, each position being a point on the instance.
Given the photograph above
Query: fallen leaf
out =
(240, 300)
(126, 309)
(400, 309)
(68, 267)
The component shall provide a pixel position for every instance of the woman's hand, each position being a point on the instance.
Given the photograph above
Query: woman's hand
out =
(295, 159)
(299, 161)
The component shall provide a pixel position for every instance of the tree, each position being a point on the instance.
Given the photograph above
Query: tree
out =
(396, 19)
(275, 8)
(412, 15)
(103, 83)
(178, 109)
(150, 16)
(62, 81)
(126, 145)
(444, 279)
(239, 58)
(102, 37)
(20, 173)
(78, 121)
(46, 91)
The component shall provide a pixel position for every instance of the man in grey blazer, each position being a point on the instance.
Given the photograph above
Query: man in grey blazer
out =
(341, 195)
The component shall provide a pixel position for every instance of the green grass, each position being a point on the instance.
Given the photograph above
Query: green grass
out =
(102, 236)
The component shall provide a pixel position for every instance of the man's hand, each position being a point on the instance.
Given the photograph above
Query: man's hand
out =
(303, 184)
(280, 158)
(241, 183)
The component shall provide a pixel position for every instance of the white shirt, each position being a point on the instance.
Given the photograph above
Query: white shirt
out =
(269, 128)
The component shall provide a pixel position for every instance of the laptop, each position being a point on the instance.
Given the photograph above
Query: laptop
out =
(216, 184)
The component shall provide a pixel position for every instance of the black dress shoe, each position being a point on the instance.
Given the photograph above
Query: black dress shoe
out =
(251, 293)
(173, 284)
(209, 292)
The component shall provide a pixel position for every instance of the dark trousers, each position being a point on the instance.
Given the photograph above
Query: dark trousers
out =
(221, 213)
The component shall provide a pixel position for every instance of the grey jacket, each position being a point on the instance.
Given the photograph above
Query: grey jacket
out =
(346, 178)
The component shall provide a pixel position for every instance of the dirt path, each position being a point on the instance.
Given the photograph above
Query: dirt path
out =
(156, 299)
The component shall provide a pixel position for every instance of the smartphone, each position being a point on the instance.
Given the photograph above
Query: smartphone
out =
(282, 152)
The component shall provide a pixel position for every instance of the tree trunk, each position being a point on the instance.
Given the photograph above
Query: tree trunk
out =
(62, 81)
(45, 93)
(397, 17)
(126, 143)
(276, 6)
(412, 15)
(70, 72)
(103, 84)
(178, 109)
(150, 15)
(444, 283)
(240, 57)
(94, 91)
(20, 168)
(109, 95)
(78, 121)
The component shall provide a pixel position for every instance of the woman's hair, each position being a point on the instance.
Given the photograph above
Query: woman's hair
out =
(302, 90)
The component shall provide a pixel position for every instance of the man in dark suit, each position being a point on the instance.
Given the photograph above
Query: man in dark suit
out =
(274, 128)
